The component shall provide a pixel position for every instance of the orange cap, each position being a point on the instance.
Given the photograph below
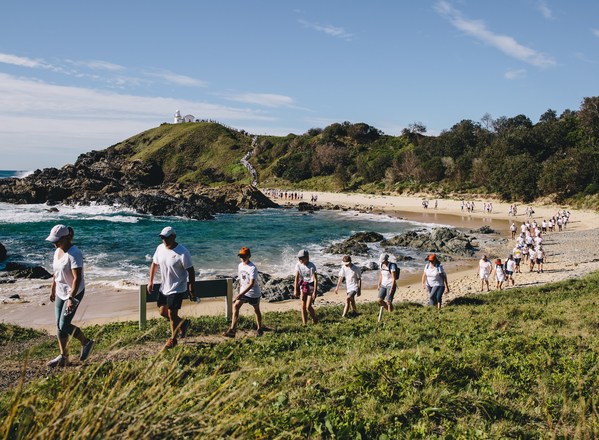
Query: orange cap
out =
(431, 257)
(243, 252)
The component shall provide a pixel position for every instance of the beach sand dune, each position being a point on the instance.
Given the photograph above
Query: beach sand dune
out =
(571, 253)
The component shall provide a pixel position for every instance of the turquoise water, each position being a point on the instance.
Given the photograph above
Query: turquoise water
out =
(118, 244)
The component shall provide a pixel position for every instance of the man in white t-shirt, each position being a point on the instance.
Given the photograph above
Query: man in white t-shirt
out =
(178, 279)
(353, 284)
(387, 282)
(484, 271)
(249, 292)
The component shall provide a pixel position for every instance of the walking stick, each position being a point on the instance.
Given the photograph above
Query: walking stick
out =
(381, 313)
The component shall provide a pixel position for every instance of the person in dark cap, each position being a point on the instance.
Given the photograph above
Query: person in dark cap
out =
(353, 284)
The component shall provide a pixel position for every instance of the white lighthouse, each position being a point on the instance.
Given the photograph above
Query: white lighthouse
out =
(179, 119)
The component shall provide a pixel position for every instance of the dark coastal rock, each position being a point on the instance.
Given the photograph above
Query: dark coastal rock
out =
(112, 176)
(18, 270)
(483, 230)
(307, 207)
(3, 253)
(355, 245)
(279, 289)
(444, 240)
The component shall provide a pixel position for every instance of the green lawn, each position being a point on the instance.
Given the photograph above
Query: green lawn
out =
(521, 363)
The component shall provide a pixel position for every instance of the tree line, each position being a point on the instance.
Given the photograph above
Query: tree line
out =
(508, 156)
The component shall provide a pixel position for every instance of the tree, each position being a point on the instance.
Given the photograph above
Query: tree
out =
(487, 121)
(589, 118)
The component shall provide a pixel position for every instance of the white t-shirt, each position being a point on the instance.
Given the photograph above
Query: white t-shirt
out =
(247, 273)
(351, 274)
(484, 268)
(499, 273)
(306, 271)
(63, 274)
(173, 265)
(434, 275)
(386, 276)
(510, 265)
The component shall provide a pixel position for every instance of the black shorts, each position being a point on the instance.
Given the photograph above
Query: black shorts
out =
(172, 301)
(249, 300)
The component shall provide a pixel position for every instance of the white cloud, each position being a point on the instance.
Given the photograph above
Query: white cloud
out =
(264, 99)
(506, 44)
(333, 31)
(66, 121)
(595, 32)
(545, 10)
(15, 60)
(99, 65)
(515, 74)
(180, 80)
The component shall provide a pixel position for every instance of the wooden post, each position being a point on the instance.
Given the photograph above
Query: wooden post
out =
(143, 295)
(229, 300)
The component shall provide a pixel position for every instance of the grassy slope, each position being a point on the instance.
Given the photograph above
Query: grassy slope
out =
(522, 363)
(187, 151)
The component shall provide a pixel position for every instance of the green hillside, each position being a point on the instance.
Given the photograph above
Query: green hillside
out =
(521, 363)
(201, 152)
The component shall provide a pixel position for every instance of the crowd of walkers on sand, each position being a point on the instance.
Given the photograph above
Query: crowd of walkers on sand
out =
(528, 251)
(178, 275)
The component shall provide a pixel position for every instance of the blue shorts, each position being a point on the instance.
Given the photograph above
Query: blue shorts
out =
(435, 294)
(249, 300)
(387, 294)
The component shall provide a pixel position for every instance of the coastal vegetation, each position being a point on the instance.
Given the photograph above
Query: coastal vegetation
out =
(521, 363)
(511, 157)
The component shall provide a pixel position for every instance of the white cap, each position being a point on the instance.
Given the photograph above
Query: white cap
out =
(383, 258)
(167, 232)
(303, 254)
(57, 233)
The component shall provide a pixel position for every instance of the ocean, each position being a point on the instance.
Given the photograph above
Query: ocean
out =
(118, 243)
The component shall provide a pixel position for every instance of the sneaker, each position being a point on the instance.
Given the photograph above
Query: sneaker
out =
(229, 333)
(58, 361)
(184, 328)
(86, 350)
(170, 343)
(259, 332)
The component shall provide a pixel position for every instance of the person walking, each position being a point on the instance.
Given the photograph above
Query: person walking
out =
(353, 284)
(386, 285)
(434, 280)
(249, 292)
(484, 271)
(306, 281)
(499, 274)
(67, 290)
(178, 280)
(510, 269)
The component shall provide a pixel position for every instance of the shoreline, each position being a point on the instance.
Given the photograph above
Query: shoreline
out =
(576, 257)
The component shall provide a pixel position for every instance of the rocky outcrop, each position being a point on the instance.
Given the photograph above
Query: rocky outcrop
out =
(18, 270)
(356, 244)
(275, 289)
(3, 253)
(444, 240)
(112, 177)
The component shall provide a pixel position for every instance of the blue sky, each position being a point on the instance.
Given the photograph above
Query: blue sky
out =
(78, 75)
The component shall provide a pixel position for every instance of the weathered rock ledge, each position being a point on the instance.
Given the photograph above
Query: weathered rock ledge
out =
(108, 177)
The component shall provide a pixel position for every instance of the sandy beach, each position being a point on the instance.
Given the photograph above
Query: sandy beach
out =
(571, 253)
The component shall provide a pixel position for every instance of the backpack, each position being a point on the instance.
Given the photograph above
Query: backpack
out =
(394, 269)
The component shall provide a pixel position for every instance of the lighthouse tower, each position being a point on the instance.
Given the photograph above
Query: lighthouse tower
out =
(178, 118)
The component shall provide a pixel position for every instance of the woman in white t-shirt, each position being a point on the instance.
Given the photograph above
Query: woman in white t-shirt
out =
(68, 288)
(484, 271)
(306, 281)
(434, 280)
(499, 274)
